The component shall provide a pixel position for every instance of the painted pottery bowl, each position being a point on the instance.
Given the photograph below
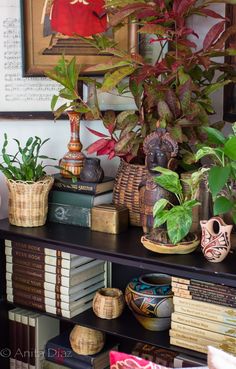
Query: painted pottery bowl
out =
(150, 298)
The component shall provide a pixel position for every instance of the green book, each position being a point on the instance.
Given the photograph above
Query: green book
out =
(79, 199)
(69, 214)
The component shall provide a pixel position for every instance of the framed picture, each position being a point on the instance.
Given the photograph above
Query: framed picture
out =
(230, 89)
(43, 45)
(21, 98)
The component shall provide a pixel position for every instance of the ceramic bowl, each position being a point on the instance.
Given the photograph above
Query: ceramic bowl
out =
(150, 298)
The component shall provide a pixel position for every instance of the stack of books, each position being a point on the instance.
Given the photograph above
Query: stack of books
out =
(204, 314)
(71, 202)
(53, 281)
(58, 352)
(28, 334)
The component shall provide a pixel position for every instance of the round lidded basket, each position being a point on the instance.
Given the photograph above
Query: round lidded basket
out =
(126, 189)
(28, 202)
(86, 341)
(108, 303)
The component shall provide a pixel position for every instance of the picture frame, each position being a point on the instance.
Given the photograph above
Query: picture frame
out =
(41, 53)
(229, 104)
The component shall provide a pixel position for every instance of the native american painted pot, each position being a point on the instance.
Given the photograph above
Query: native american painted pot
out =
(215, 239)
(150, 299)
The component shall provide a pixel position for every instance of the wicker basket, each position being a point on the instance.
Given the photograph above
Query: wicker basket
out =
(86, 341)
(28, 202)
(108, 303)
(126, 189)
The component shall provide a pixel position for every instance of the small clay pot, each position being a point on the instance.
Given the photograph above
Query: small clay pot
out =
(150, 299)
(92, 171)
(108, 303)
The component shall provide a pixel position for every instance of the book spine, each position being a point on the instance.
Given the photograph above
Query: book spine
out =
(205, 324)
(19, 337)
(206, 306)
(203, 297)
(88, 189)
(188, 345)
(191, 338)
(53, 350)
(69, 198)
(58, 356)
(204, 284)
(32, 322)
(213, 336)
(198, 312)
(25, 340)
(69, 214)
(51, 365)
(206, 290)
(14, 260)
(12, 338)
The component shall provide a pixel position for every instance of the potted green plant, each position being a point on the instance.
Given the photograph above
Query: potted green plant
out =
(27, 182)
(221, 151)
(173, 92)
(173, 221)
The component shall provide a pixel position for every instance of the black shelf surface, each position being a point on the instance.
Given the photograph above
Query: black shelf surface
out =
(125, 249)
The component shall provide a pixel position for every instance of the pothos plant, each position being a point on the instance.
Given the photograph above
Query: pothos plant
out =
(222, 173)
(174, 91)
(177, 218)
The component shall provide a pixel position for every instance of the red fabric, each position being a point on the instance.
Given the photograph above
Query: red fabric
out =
(119, 360)
(81, 17)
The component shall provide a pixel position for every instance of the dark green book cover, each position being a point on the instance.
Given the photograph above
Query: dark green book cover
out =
(79, 199)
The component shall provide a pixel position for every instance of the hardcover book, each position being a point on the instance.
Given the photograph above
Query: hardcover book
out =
(205, 324)
(61, 345)
(77, 199)
(66, 184)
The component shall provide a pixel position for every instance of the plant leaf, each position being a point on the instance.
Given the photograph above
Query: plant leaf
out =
(159, 206)
(160, 218)
(214, 135)
(217, 179)
(222, 205)
(230, 148)
(178, 223)
(213, 34)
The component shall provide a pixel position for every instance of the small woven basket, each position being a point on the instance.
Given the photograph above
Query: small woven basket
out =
(126, 189)
(108, 303)
(28, 202)
(86, 341)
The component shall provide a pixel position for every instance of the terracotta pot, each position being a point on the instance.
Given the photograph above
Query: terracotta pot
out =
(150, 299)
(215, 239)
(108, 303)
(182, 247)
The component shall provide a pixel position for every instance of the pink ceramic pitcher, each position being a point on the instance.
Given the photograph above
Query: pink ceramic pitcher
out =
(215, 239)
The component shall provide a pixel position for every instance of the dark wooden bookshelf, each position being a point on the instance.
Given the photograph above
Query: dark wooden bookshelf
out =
(128, 257)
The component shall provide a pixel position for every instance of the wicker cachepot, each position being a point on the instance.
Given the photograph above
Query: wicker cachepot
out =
(126, 189)
(108, 303)
(28, 202)
(86, 341)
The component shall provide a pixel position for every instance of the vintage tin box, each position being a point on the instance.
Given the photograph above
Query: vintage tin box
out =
(109, 218)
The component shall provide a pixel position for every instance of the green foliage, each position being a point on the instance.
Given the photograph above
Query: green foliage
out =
(67, 74)
(178, 218)
(26, 164)
(222, 174)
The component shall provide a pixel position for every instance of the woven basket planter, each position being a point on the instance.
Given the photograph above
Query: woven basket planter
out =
(126, 189)
(108, 303)
(28, 202)
(86, 341)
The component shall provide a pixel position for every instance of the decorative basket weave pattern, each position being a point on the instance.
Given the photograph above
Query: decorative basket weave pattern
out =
(86, 341)
(108, 303)
(126, 189)
(28, 202)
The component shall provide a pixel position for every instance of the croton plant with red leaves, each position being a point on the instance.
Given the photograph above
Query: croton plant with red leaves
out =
(174, 92)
